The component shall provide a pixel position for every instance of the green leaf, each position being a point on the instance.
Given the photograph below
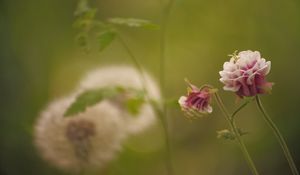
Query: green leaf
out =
(135, 101)
(133, 105)
(89, 98)
(86, 20)
(132, 22)
(82, 7)
(105, 38)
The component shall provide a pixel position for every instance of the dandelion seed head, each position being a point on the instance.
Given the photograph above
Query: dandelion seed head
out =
(88, 140)
(126, 77)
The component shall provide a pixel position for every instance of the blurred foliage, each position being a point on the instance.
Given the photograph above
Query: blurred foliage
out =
(131, 98)
(40, 62)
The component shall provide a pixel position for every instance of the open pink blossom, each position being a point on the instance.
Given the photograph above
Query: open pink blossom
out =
(245, 74)
(197, 101)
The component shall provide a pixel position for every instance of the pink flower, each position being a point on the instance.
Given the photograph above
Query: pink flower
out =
(197, 101)
(245, 74)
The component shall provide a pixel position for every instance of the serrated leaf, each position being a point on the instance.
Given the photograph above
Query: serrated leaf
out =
(133, 22)
(89, 98)
(105, 38)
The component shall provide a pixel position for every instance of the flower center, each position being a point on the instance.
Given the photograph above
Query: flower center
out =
(79, 133)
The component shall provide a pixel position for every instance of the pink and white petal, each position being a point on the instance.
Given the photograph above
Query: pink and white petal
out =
(229, 66)
(182, 101)
(227, 80)
(250, 79)
(265, 69)
(232, 88)
(209, 109)
(257, 55)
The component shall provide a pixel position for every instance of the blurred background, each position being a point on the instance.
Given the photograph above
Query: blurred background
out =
(40, 62)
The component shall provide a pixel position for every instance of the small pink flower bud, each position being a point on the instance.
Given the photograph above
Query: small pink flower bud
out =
(197, 101)
(245, 74)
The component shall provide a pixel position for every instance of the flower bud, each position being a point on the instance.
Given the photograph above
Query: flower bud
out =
(225, 134)
(197, 101)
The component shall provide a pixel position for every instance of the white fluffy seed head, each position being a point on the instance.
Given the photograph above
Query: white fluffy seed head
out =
(87, 140)
(126, 77)
(91, 139)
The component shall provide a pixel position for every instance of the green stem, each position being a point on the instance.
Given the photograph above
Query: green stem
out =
(278, 135)
(161, 115)
(164, 22)
(240, 108)
(164, 116)
(168, 144)
(233, 127)
(134, 60)
(159, 111)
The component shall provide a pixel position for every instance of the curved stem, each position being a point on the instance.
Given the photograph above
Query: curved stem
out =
(134, 60)
(240, 108)
(278, 135)
(236, 133)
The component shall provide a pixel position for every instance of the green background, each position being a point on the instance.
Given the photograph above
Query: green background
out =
(40, 62)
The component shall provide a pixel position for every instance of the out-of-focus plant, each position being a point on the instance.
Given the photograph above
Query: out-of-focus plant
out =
(86, 129)
(88, 26)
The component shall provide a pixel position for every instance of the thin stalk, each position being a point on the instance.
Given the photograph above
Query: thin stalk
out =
(233, 127)
(158, 110)
(164, 117)
(240, 108)
(136, 63)
(278, 135)
(161, 116)
(167, 142)
(164, 22)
